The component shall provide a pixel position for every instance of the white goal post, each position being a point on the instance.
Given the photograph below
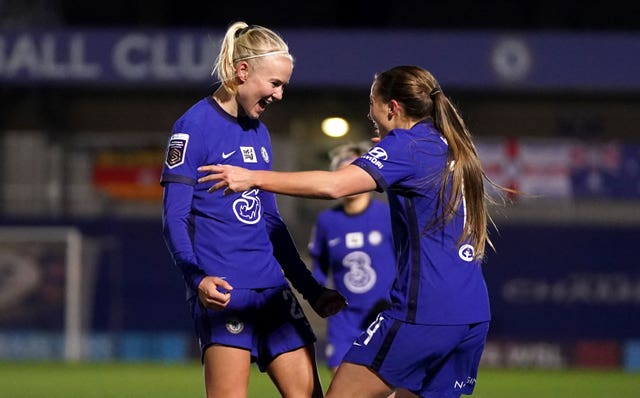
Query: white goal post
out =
(19, 246)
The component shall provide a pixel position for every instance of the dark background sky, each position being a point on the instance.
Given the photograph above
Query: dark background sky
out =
(611, 15)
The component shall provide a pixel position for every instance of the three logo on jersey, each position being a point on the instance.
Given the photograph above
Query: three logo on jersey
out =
(247, 208)
(361, 276)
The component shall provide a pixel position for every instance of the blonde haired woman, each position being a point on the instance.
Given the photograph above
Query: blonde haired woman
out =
(235, 251)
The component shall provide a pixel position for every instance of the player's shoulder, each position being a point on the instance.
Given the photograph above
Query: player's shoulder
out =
(330, 214)
(192, 120)
(198, 108)
(378, 205)
(430, 134)
(380, 213)
(378, 202)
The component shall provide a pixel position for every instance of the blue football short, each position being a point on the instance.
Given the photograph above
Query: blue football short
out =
(342, 330)
(267, 322)
(429, 360)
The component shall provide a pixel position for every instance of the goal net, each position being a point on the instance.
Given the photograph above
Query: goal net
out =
(44, 282)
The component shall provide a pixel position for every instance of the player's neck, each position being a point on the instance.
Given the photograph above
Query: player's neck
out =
(356, 204)
(226, 101)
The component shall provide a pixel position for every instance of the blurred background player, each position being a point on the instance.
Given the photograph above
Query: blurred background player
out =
(352, 250)
(235, 251)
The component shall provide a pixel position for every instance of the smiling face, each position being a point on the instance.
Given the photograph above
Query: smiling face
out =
(263, 83)
(378, 113)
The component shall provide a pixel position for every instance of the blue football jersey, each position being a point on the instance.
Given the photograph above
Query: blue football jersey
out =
(356, 251)
(438, 280)
(224, 235)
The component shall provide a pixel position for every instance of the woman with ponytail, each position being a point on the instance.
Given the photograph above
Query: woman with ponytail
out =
(234, 251)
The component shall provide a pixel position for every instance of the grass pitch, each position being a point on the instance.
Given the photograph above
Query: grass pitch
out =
(157, 380)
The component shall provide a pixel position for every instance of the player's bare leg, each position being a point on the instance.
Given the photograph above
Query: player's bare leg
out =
(295, 374)
(353, 380)
(226, 372)
(402, 393)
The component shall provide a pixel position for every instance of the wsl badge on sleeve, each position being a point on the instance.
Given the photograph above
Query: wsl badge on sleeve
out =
(176, 150)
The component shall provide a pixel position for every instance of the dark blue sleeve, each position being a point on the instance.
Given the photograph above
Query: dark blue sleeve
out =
(177, 230)
(319, 254)
(285, 251)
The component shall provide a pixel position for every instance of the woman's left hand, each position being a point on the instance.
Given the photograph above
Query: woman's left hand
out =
(329, 302)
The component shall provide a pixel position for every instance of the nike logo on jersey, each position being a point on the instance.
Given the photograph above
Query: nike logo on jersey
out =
(226, 155)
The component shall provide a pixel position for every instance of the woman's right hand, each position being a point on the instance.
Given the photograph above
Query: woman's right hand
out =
(214, 292)
(231, 178)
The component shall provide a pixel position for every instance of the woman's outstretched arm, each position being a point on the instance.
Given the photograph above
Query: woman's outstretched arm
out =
(317, 184)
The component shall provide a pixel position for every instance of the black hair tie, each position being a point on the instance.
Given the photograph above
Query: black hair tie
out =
(244, 30)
